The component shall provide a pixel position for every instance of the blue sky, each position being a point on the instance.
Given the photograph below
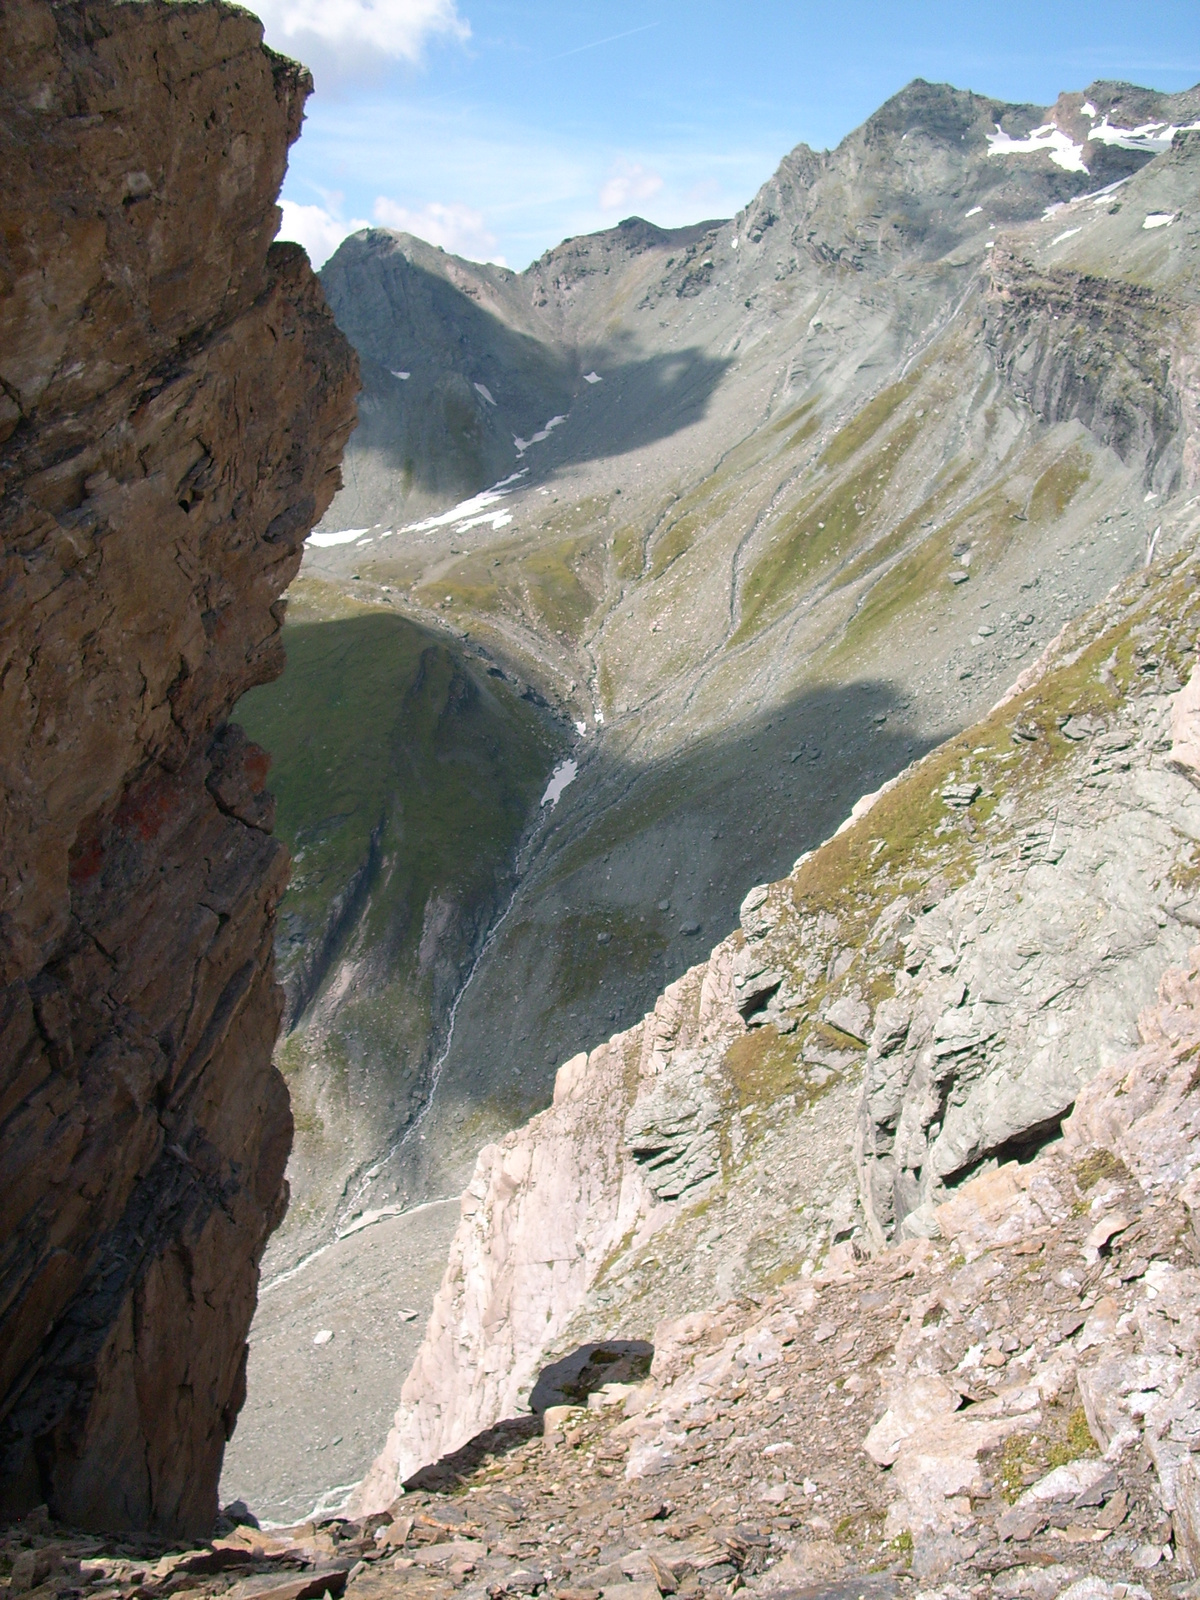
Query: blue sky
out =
(499, 127)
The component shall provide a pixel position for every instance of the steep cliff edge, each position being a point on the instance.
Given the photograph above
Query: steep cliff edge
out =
(174, 401)
(922, 999)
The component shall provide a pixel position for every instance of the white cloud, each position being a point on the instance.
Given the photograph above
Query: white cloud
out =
(397, 28)
(456, 228)
(318, 230)
(630, 182)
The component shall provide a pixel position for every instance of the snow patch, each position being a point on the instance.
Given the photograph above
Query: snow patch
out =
(483, 389)
(403, 376)
(343, 536)
(974, 211)
(473, 512)
(1060, 147)
(581, 729)
(1153, 137)
(1088, 109)
(592, 377)
(542, 433)
(1159, 219)
(1069, 234)
(564, 773)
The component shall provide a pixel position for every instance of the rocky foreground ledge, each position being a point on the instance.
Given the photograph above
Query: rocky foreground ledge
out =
(1009, 1409)
(174, 400)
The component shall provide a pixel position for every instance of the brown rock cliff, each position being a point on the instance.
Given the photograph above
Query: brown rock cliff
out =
(174, 400)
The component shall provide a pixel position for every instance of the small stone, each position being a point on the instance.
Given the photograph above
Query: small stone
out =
(662, 1575)
(1021, 1522)
(850, 1016)
(1107, 1228)
(1146, 1556)
(325, 1335)
(1114, 1513)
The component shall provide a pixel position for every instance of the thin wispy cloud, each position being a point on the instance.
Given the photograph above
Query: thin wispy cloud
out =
(457, 228)
(630, 184)
(399, 29)
(579, 49)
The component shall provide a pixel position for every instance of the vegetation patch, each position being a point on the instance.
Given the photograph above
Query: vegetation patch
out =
(1097, 1165)
(762, 1065)
(820, 533)
(629, 552)
(868, 421)
(1058, 485)
(554, 583)
(1026, 1457)
(706, 503)
(404, 777)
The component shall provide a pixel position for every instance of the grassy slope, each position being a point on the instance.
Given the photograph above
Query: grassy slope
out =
(382, 731)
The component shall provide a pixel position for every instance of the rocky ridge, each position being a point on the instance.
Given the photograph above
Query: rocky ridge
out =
(960, 960)
(176, 398)
(853, 458)
(1009, 1409)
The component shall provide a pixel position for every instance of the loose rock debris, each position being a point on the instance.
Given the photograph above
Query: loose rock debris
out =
(1009, 1408)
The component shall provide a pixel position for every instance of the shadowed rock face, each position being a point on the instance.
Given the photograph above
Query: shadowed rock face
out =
(174, 400)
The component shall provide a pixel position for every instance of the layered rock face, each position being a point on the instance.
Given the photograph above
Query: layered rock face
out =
(933, 987)
(175, 400)
(1109, 336)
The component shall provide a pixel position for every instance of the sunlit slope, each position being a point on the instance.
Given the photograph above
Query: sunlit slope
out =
(827, 476)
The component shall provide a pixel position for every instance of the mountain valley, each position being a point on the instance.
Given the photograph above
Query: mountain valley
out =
(746, 518)
(659, 1055)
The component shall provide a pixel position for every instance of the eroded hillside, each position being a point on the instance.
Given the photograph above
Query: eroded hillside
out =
(826, 478)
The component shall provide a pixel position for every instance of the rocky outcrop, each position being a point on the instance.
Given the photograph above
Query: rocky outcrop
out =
(1076, 346)
(1108, 341)
(544, 1210)
(1010, 1409)
(971, 1017)
(175, 400)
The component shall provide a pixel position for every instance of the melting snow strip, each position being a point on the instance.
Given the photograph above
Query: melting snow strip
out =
(470, 513)
(564, 773)
(345, 536)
